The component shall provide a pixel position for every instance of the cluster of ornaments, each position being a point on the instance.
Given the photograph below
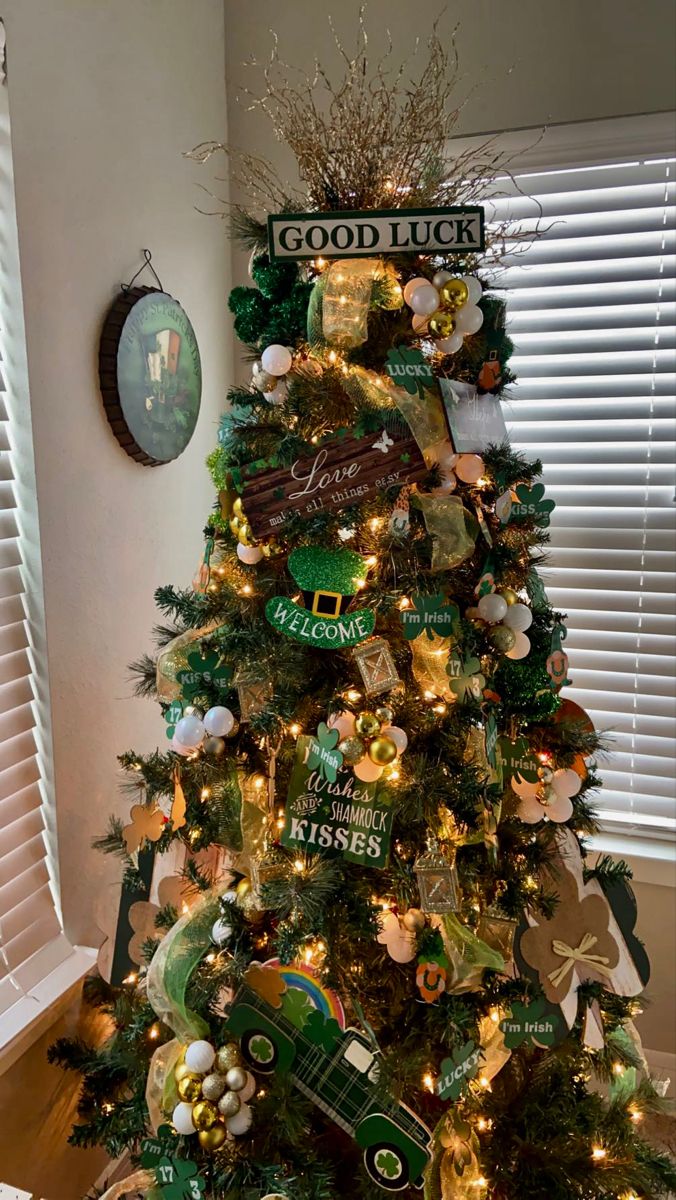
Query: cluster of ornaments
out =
(214, 1087)
(507, 620)
(369, 741)
(468, 468)
(249, 551)
(445, 309)
(269, 376)
(196, 730)
(550, 797)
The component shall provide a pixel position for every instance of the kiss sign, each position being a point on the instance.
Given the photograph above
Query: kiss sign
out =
(343, 471)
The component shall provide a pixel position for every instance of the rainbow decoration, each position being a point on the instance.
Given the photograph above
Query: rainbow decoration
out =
(301, 976)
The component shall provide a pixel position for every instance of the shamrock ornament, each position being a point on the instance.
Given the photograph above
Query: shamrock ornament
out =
(466, 680)
(321, 1030)
(515, 759)
(549, 798)
(296, 1007)
(172, 716)
(400, 941)
(409, 369)
(178, 1180)
(532, 1025)
(323, 755)
(203, 673)
(457, 1071)
(147, 825)
(160, 1147)
(430, 615)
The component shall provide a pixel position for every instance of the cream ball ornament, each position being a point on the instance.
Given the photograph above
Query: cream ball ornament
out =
(189, 732)
(236, 1079)
(221, 932)
(414, 920)
(367, 771)
(420, 324)
(411, 287)
(240, 1123)
(199, 1056)
(440, 278)
(521, 645)
(249, 1089)
(250, 555)
(492, 608)
(276, 359)
(396, 735)
(469, 468)
(181, 1119)
(229, 1104)
(474, 288)
(343, 722)
(469, 319)
(450, 345)
(424, 300)
(519, 617)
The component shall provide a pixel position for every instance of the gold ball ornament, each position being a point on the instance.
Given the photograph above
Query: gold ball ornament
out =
(352, 749)
(227, 1057)
(385, 714)
(212, 1139)
(382, 750)
(243, 887)
(244, 534)
(235, 523)
(228, 1105)
(367, 724)
(182, 1071)
(237, 507)
(454, 293)
(502, 637)
(213, 1086)
(204, 1114)
(509, 595)
(236, 1079)
(414, 920)
(441, 325)
(189, 1088)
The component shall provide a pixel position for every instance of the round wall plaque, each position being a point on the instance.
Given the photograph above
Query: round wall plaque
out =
(150, 374)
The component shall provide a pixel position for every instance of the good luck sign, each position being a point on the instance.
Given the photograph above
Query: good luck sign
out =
(343, 816)
(343, 471)
(377, 231)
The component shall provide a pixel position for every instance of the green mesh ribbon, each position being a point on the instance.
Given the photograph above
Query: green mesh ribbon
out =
(315, 328)
(468, 955)
(173, 963)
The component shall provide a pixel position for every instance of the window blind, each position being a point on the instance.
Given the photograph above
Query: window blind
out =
(591, 310)
(32, 944)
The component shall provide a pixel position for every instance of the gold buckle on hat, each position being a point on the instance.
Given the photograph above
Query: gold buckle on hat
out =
(319, 596)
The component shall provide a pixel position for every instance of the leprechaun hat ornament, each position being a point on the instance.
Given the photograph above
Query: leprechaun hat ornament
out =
(328, 580)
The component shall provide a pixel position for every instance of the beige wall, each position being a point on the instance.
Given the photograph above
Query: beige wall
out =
(104, 98)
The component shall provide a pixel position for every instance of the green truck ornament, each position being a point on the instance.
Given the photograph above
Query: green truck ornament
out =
(338, 1070)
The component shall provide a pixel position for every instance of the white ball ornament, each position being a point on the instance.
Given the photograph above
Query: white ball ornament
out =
(179, 749)
(276, 359)
(474, 288)
(492, 608)
(249, 554)
(469, 468)
(441, 454)
(412, 285)
(448, 484)
(221, 932)
(218, 721)
(450, 345)
(199, 1057)
(278, 394)
(521, 647)
(181, 1119)
(241, 1122)
(518, 617)
(367, 771)
(424, 300)
(419, 324)
(189, 732)
(440, 278)
(469, 319)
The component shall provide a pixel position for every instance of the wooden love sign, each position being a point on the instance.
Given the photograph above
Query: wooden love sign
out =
(343, 471)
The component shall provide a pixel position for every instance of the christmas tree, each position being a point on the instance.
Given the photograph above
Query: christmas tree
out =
(368, 954)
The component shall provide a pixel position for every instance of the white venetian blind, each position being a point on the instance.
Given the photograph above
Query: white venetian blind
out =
(32, 944)
(592, 305)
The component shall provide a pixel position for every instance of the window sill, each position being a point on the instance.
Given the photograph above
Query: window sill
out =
(23, 1023)
(651, 860)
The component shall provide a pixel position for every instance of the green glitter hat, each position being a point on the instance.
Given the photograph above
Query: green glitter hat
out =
(337, 572)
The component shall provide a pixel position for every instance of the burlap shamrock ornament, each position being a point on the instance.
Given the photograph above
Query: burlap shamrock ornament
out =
(589, 938)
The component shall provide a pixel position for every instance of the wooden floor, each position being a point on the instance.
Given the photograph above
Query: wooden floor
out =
(37, 1109)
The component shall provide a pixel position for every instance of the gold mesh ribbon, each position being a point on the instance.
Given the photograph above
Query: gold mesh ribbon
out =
(452, 528)
(161, 1094)
(174, 658)
(348, 285)
(429, 664)
(579, 954)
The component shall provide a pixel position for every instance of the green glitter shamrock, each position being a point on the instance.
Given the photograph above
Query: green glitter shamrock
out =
(531, 1025)
(466, 680)
(409, 369)
(296, 1007)
(204, 672)
(529, 505)
(178, 1179)
(172, 715)
(515, 758)
(322, 1031)
(457, 1071)
(323, 756)
(430, 615)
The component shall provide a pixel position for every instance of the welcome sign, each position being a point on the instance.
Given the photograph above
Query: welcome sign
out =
(343, 817)
(449, 230)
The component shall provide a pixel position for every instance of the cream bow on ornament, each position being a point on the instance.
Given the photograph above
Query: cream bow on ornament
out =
(581, 954)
